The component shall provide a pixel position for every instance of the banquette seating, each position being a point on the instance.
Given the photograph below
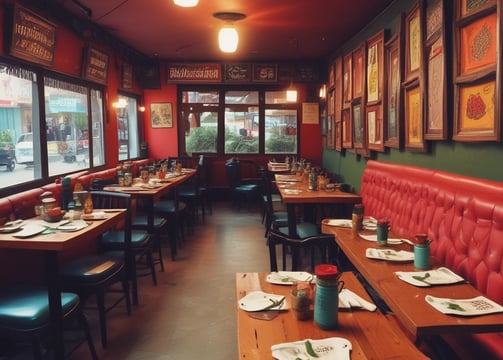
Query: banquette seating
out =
(463, 217)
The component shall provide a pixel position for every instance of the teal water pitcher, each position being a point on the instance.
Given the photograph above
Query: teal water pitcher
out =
(326, 298)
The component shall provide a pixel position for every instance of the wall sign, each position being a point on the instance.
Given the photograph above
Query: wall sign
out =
(127, 76)
(237, 72)
(179, 73)
(95, 65)
(33, 37)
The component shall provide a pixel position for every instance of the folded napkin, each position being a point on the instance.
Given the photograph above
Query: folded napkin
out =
(348, 299)
(374, 238)
(334, 348)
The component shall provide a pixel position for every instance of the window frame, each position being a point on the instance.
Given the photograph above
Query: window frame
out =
(220, 110)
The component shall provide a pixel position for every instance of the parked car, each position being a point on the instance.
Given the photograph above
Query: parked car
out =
(24, 149)
(7, 156)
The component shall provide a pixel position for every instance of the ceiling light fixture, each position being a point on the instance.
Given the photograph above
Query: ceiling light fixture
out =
(186, 3)
(228, 36)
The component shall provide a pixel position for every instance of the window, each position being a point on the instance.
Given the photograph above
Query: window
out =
(229, 121)
(127, 127)
(35, 147)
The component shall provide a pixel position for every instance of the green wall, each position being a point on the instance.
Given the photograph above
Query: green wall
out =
(477, 159)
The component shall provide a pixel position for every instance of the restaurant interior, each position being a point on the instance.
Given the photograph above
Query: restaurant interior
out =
(177, 177)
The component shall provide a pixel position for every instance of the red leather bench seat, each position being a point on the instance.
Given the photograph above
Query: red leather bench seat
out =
(463, 217)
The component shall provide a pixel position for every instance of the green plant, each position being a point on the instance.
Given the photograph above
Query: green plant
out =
(281, 144)
(201, 139)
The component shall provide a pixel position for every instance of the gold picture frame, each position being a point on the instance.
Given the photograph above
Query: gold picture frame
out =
(161, 115)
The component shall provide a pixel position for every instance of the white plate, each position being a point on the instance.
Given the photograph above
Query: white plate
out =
(479, 305)
(288, 277)
(440, 276)
(389, 254)
(94, 216)
(334, 348)
(30, 230)
(11, 226)
(259, 300)
(292, 191)
(339, 222)
(373, 237)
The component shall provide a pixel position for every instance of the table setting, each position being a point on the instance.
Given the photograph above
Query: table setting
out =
(334, 348)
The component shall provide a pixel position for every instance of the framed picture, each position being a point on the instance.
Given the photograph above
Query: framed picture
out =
(358, 71)
(477, 45)
(127, 76)
(347, 75)
(434, 19)
(161, 115)
(393, 119)
(338, 135)
(375, 68)
(436, 95)
(347, 129)
(375, 127)
(95, 65)
(358, 127)
(476, 114)
(414, 138)
(413, 43)
(237, 72)
(472, 7)
(331, 75)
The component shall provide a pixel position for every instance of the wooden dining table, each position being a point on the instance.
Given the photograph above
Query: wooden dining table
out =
(294, 192)
(372, 334)
(52, 245)
(407, 301)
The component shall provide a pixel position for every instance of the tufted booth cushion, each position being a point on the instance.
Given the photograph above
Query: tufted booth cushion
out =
(463, 217)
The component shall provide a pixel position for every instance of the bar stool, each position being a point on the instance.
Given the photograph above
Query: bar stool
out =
(25, 312)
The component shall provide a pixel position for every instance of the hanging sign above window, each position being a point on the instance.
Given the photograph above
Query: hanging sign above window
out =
(207, 72)
(33, 37)
(95, 65)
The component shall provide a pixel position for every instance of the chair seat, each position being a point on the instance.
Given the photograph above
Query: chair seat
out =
(25, 309)
(246, 187)
(304, 230)
(168, 206)
(142, 221)
(92, 269)
(115, 239)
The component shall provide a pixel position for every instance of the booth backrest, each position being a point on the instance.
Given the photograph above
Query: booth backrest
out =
(463, 217)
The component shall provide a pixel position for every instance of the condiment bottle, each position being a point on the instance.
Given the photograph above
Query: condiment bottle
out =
(326, 298)
(88, 204)
(357, 217)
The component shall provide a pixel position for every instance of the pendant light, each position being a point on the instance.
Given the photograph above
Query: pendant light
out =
(186, 3)
(228, 37)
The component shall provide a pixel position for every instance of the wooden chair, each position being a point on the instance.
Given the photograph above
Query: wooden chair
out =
(319, 247)
(240, 192)
(94, 275)
(25, 312)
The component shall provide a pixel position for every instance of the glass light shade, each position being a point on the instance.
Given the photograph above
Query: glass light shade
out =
(291, 95)
(228, 39)
(186, 3)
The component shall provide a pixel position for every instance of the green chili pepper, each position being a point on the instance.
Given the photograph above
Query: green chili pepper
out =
(310, 350)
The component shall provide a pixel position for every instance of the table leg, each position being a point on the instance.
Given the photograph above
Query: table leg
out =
(55, 310)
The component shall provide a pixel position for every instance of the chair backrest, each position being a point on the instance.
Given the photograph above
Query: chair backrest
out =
(233, 173)
(115, 200)
(324, 243)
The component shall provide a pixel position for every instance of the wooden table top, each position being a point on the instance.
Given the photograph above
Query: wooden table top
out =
(60, 240)
(301, 194)
(407, 301)
(364, 329)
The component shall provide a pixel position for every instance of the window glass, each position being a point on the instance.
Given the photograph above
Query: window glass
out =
(242, 130)
(127, 120)
(97, 128)
(18, 125)
(280, 131)
(275, 97)
(200, 97)
(201, 128)
(67, 126)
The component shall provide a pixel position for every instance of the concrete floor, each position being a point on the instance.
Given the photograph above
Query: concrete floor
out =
(190, 314)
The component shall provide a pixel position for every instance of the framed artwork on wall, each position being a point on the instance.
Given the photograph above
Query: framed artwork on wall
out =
(358, 71)
(347, 75)
(476, 119)
(347, 129)
(436, 74)
(375, 68)
(413, 43)
(161, 115)
(358, 126)
(393, 124)
(338, 135)
(414, 138)
(476, 94)
(375, 127)
(338, 104)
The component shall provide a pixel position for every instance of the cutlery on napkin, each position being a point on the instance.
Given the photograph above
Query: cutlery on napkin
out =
(334, 348)
(348, 299)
